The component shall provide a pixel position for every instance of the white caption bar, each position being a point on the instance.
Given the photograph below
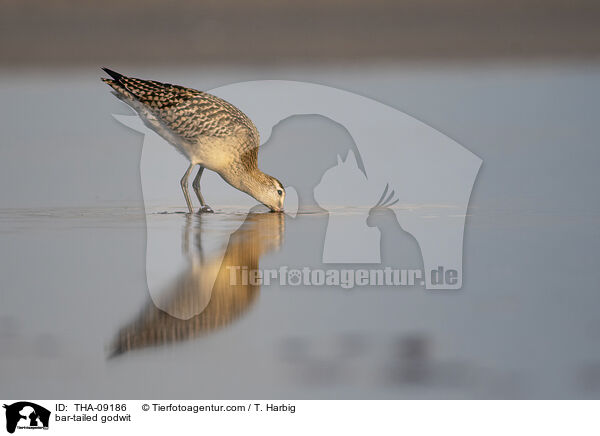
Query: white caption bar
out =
(154, 417)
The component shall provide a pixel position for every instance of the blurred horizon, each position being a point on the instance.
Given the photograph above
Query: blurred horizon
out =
(265, 32)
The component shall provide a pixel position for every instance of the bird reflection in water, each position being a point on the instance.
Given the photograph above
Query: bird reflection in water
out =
(220, 304)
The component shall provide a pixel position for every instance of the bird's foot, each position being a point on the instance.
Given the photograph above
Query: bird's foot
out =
(205, 209)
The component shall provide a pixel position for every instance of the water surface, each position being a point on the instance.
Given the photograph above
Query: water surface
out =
(77, 320)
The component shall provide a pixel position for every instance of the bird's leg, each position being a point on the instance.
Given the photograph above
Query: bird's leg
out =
(184, 187)
(196, 185)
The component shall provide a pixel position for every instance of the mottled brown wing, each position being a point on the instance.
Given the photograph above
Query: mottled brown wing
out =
(186, 112)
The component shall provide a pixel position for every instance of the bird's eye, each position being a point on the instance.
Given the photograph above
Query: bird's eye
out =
(279, 191)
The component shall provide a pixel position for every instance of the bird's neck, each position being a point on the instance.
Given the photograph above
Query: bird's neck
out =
(251, 181)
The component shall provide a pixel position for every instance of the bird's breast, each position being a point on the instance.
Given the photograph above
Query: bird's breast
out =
(214, 153)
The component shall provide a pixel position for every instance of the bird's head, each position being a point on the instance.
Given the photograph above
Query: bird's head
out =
(271, 194)
(264, 188)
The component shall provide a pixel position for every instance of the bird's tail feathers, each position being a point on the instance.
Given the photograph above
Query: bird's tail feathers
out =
(113, 74)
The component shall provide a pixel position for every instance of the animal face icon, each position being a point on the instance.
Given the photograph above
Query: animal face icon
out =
(26, 414)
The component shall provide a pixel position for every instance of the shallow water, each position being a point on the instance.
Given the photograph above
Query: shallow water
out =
(81, 322)
(77, 319)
